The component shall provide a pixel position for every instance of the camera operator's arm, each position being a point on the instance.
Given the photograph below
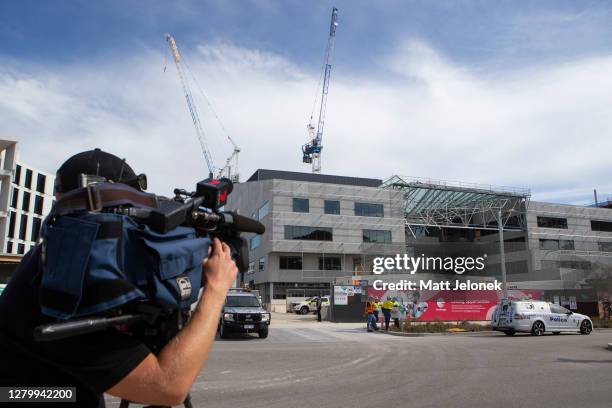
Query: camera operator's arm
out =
(167, 378)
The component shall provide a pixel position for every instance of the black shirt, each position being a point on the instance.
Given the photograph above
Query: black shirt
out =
(92, 363)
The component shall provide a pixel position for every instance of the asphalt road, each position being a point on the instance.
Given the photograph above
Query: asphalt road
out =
(309, 364)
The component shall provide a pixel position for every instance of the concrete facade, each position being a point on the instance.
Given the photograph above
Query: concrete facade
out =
(567, 257)
(540, 257)
(271, 201)
(26, 197)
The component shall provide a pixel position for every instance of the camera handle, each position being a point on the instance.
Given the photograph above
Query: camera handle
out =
(186, 403)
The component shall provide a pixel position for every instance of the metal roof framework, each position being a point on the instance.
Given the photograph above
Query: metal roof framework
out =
(439, 203)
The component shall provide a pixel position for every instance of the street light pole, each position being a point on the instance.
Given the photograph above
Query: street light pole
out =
(502, 253)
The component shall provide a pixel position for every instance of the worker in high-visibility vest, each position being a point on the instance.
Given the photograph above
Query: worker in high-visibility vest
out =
(376, 306)
(395, 313)
(369, 311)
(386, 310)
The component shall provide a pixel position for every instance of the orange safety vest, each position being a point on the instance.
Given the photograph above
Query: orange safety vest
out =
(369, 307)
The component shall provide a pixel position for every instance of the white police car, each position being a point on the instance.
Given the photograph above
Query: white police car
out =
(537, 317)
(309, 305)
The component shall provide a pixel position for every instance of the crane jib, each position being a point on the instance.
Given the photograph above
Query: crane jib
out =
(312, 150)
(232, 172)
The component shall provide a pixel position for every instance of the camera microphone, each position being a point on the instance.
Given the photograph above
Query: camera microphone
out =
(241, 223)
(231, 220)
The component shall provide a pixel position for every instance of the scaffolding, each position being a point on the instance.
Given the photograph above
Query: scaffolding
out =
(439, 203)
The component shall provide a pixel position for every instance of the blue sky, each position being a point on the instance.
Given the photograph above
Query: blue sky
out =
(447, 89)
(498, 33)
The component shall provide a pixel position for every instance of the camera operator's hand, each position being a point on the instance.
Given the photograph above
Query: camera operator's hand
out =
(220, 270)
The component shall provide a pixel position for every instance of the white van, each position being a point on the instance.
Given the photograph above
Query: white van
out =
(536, 317)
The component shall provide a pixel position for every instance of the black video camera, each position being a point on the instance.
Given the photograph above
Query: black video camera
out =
(200, 210)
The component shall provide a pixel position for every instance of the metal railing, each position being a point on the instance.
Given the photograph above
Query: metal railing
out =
(491, 188)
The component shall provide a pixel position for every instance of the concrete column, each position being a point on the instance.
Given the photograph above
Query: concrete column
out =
(502, 254)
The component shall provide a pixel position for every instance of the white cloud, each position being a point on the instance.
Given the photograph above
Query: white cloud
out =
(546, 128)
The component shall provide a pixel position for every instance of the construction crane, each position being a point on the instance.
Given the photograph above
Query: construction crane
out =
(191, 104)
(230, 169)
(312, 150)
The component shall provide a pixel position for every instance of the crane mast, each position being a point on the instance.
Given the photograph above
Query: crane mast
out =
(311, 151)
(191, 104)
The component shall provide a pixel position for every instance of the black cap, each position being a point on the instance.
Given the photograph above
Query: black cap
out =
(93, 163)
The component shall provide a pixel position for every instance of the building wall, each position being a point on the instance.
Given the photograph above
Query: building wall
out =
(592, 250)
(31, 201)
(527, 263)
(248, 198)
(8, 156)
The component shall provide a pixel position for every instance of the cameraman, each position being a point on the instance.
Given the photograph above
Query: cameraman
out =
(111, 361)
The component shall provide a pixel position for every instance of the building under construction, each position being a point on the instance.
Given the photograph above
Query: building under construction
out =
(322, 229)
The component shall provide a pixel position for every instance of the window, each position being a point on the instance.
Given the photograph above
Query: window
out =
(332, 207)
(40, 183)
(556, 244)
(582, 265)
(22, 227)
(379, 236)
(14, 198)
(28, 178)
(516, 267)
(25, 201)
(369, 210)
(20, 249)
(242, 301)
(38, 204)
(17, 175)
(301, 205)
(262, 263)
(263, 210)
(11, 231)
(36, 222)
(290, 262)
(552, 222)
(605, 226)
(605, 246)
(585, 265)
(308, 233)
(251, 268)
(330, 263)
(554, 308)
(9, 247)
(255, 241)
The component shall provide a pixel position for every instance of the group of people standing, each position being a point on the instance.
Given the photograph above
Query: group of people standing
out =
(389, 308)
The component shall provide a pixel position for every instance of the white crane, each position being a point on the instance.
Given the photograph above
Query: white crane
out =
(230, 169)
(311, 151)
(191, 104)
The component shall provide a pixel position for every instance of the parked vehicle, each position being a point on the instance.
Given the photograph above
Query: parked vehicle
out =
(243, 313)
(537, 317)
(309, 305)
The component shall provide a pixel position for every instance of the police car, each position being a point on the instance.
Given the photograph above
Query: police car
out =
(537, 317)
(309, 305)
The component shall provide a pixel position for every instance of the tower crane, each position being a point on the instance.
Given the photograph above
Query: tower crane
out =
(312, 150)
(191, 104)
